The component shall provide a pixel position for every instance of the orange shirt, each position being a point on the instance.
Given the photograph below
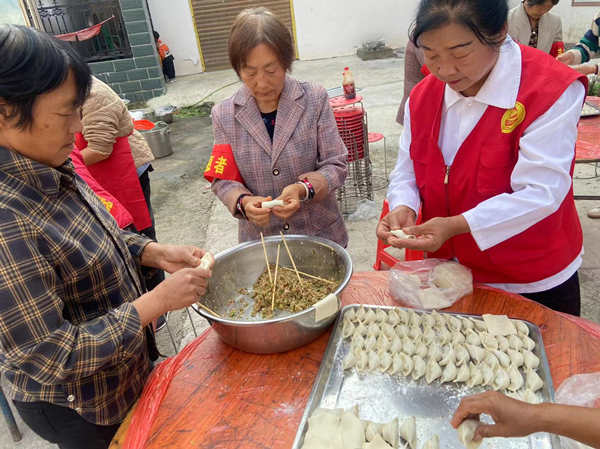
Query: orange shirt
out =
(163, 50)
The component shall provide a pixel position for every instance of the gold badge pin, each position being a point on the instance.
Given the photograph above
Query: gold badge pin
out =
(513, 118)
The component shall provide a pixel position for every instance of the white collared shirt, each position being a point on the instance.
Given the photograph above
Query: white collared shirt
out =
(541, 178)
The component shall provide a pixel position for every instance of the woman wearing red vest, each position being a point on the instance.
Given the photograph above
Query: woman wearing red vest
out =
(488, 153)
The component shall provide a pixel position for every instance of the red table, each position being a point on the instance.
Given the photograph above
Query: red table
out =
(224, 398)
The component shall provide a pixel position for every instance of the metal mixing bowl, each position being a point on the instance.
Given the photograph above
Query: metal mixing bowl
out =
(239, 268)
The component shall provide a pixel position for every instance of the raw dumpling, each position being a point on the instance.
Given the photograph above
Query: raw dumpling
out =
(388, 330)
(479, 325)
(528, 343)
(516, 380)
(463, 374)
(534, 382)
(377, 443)
(530, 360)
(372, 430)
(444, 336)
(415, 318)
(374, 329)
(476, 353)
(399, 233)
(516, 358)
(472, 337)
(454, 323)
(449, 373)
(435, 352)
(408, 347)
(362, 360)
(440, 320)
(389, 432)
(429, 336)
(502, 381)
(488, 341)
(373, 360)
(449, 356)
(348, 329)
(427, 320)
(361, 328)
(350, 314)
(381, 316)
(466, 433)
(491, 360)
(349, 361)
(503, 344)
(408, 432)
(476, 376)
(521, 327)
(530, 397)
(503, 358)
(384, 343)
(352, 430)
(397, 364)
(370, 317)
(407, 364)
(419, 367)
(401, 331)
(499, 325)
(385, 360)
(393, 318)
(462, 355)
(360, 313)
(396, 345)
(457, 338)
(415, 332)
(420, 349)
(488, 375)
(433, 443)
(434, 371)
(358, 341)
(321, 429)
(515, 342)
(370, 342)
(466, 324)
(404, 316)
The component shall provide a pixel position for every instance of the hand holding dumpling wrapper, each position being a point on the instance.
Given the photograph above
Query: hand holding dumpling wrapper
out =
(430, 283)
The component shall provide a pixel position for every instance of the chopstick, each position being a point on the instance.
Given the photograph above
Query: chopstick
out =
(291, 258)
(262, 238)
(208, 310)
(309, 276)
(275, 282)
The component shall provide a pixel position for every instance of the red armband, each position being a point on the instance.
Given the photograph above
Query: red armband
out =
(221, 165)
(558, 48)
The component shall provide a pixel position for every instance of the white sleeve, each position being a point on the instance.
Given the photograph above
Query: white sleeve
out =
(541, 178)
(403, 189)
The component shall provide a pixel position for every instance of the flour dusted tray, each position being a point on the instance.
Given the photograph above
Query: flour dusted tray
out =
(381, 397)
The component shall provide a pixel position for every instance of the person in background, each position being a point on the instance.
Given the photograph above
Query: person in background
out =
(580, 54)
(514, 418)
(282, 136)
(415, 71)
(119, 158)
(75, 342)
(532, 24)
(166, 58)
(487, 156)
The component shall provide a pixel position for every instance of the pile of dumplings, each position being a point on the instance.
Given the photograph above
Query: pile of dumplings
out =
(341, 429)
(443, 348)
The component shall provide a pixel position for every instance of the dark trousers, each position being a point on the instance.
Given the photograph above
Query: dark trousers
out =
(150, 232)
(564, 298)
(64, 426)
(169, 67)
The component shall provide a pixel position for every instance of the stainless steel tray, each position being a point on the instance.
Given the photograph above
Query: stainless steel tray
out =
(590, 110)
(382, 397)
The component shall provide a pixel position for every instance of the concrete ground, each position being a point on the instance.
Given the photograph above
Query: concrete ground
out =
(187, 212)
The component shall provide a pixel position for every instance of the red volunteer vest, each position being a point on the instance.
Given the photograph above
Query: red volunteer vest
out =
(482, 169)
(118, 176)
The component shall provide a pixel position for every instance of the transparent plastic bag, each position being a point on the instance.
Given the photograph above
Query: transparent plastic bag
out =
(580, 390)
(365, 210)
(430, 283)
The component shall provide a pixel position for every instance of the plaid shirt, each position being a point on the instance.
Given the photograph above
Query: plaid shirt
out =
(68, 333)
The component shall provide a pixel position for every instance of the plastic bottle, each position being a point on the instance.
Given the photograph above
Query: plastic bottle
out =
(349, 87)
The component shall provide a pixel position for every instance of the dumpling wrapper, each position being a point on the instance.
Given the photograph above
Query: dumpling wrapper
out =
(399, 233)
(323, 432)
(206, 261)
(352, 430)
(450, 275)
(499, 325)
(466, 433)
(272, 204)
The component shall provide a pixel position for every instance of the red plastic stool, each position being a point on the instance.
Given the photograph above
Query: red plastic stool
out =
(376, 137)
(383, 256)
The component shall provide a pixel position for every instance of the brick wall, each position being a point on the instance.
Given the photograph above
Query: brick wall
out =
(139, 78)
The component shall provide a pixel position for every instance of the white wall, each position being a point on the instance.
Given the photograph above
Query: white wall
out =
(173, 20)
(10, 12)
(575, 19)
(327, 28)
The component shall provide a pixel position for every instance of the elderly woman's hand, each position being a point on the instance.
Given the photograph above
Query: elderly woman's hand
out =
(566, 58)
(433, 234)
(586, 69)
(255, 213)
(399, 218)
(291, 197)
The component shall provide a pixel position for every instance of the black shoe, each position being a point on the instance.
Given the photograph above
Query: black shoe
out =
(161, 322)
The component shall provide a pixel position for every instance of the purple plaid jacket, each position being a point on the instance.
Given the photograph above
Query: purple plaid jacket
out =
(306, 144)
